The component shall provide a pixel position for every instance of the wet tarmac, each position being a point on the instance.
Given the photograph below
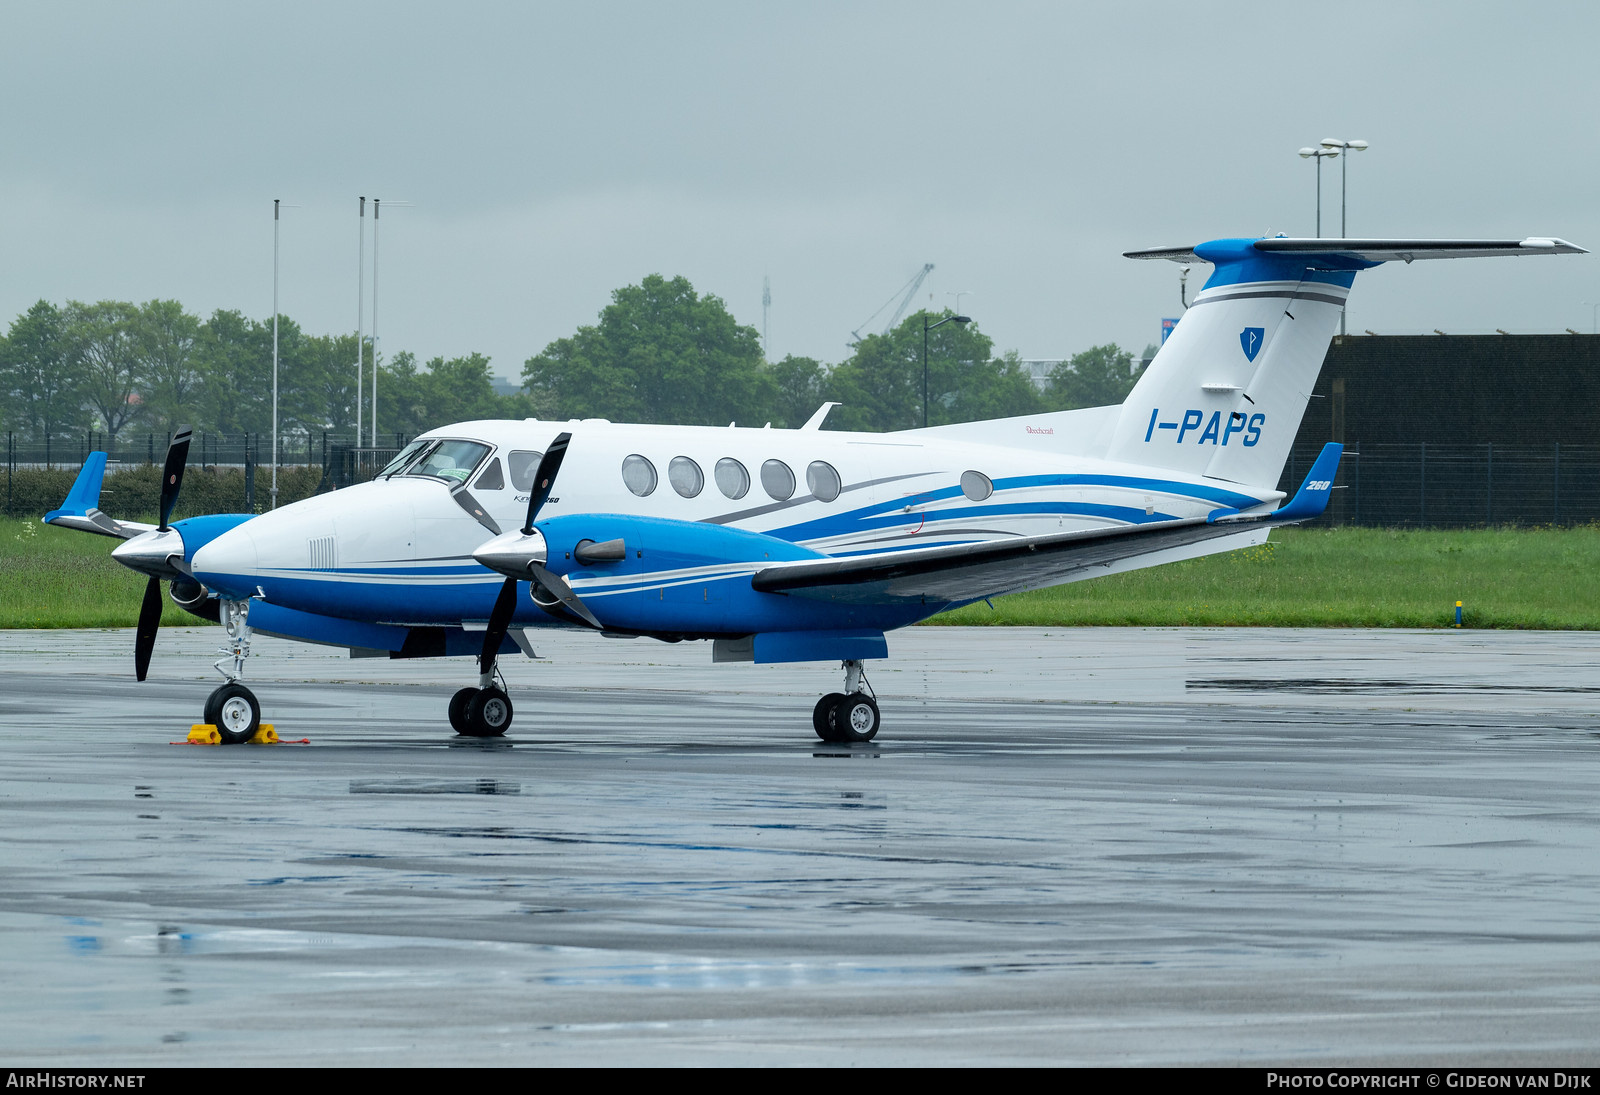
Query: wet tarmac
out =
(1073, 847)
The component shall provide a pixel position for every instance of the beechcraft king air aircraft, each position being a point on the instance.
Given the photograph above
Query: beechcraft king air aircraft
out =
(776, 545)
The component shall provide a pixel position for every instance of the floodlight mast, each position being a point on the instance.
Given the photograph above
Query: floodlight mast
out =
(1344, 186)
(274, 359)
(361, 270)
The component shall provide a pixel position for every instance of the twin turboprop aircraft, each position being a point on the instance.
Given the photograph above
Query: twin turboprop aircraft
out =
(775, 545)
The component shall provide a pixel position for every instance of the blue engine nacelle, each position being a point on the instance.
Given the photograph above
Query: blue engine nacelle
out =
(690, 579)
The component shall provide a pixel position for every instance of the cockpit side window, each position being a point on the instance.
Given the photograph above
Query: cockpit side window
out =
(452, 461)
(523, 466)
(491, 479)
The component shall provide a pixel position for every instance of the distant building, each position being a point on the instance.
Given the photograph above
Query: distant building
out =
(502, 386)
(1039, 370)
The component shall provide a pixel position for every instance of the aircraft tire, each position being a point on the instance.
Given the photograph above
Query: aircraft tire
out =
(856, 719)
(458, 709)
(822, 716)
(488, 714)
(236, 713)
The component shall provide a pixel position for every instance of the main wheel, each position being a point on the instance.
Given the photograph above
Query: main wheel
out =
(488, 714)
(236, 713)
(856, 718)
(822, 716)
(458, 709)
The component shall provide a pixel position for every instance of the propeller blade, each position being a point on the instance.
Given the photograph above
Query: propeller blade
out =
(545, 478)
(557, 587)
(144, 638)
(499, 620)
(172, 473)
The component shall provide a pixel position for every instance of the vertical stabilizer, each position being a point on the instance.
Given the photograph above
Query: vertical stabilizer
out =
(1225, 394)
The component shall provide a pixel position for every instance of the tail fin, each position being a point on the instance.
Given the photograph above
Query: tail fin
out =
(1225, 394)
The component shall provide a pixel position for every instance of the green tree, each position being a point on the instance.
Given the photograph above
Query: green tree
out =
(796, 385)
(234, 358)
(168, 343)
(40, 378)
(1099, 377)
(880, 386)
(104, 338)
(660, 353)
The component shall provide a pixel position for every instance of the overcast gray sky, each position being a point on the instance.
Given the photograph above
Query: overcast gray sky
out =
(553, 152)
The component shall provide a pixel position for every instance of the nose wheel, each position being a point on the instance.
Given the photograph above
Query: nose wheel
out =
(236, 713)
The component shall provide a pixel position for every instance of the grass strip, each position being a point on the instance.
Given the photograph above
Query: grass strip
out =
(1338, 577)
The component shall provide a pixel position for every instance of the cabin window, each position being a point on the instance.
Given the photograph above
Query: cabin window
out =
(777, 480)
(491, 479)
(639, 475)
(685, 476)
(823, 481)
(732, 479)
(452, 461)
(976, 485)
(523, 465)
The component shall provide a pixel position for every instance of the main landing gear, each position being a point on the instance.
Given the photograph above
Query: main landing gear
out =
(851, 715)
(233, 709)
(484, 711)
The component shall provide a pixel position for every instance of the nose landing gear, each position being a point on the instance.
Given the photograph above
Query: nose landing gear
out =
(851, 715)
(233, 709)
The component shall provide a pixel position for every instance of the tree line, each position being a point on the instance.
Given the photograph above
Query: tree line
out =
(659, 352)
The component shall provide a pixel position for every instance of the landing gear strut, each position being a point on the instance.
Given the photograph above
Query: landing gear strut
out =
(851, 715)
(482, 712)
(233, 709)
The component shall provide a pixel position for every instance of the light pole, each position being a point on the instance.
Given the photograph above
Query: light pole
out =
(274, 358)
(1594, 317)
(926, 327)
(361, 315)
(1320, 154)
(1344, 187)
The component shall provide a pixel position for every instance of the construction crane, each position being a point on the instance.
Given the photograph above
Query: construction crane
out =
(903, 295)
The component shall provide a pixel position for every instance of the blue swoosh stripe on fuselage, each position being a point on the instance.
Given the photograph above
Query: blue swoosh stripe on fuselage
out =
(852, 520)
(826, 527)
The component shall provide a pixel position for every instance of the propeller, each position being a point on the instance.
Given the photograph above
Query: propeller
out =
(144, 637)
(523, 559)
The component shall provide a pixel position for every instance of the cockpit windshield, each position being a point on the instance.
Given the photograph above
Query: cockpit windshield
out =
(452, 461)
(404, 457)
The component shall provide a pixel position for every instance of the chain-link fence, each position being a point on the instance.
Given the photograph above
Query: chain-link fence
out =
(37, 472)
(1430, 485)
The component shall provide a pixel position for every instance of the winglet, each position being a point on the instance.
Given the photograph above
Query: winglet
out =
(85, 493)
(1312, 497)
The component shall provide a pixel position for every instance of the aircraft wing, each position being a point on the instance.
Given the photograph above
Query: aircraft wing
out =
(967, 572)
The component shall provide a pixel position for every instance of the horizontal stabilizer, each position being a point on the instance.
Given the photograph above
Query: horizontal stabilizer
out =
(1374, 251)
(81, 509)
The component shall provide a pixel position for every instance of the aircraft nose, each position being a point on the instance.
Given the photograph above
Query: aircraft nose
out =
(229, 563)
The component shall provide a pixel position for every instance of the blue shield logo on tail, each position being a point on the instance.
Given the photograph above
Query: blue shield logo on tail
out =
(1251, 338)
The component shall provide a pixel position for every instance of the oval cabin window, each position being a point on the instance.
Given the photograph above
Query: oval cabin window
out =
(823, 481)
(639, 475)
(732, 479)
(777, 480)
(976, 485)
(685, 476)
